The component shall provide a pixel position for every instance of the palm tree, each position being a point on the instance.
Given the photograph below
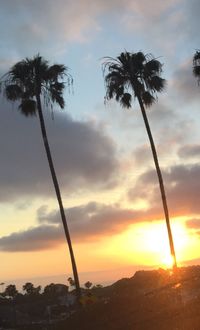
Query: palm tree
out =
(30, 289)
(196, 65)
(135, 75)
(27, 82)
(10, 291)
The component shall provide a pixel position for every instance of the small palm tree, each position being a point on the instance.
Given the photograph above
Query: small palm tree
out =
(196, 65)
(26, 82)
(135, 75)
(11, 291)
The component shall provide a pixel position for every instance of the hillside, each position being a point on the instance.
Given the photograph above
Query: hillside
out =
(150, 300)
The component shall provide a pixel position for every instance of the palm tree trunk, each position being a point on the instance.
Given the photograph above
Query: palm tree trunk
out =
(160, 179)
(57, 190)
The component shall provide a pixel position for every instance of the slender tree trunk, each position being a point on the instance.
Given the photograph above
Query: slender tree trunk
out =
(58, 195)
(160, 179)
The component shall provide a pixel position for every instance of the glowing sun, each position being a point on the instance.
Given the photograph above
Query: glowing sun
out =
(150, 245)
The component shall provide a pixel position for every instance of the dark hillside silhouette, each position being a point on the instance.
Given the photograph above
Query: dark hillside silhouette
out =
(150, 300)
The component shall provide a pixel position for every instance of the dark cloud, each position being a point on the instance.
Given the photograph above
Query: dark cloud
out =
(168, 130)
(182, 189)
(142, 155)
(184, 83)
(160, 112)
(94, 220)
(33, 239)
(84, 156)
(86, 223)
(189, 151)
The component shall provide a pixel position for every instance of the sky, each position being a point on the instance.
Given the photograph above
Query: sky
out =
(101, 152)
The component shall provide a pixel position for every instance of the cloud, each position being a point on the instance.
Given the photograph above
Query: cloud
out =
(145, 14)
(87, 222)
(51, 27)
(182, 189)
(161, 112)
(32, 239)
(42, 22)
(84, 155)
(160, 19)
(184, 84)
(192, 9)
(189, 151)
(142, 155)
(91, 221)
(168, 132)
(193, 223)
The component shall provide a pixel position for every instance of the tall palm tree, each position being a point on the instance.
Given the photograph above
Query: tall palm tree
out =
(135, 75)
(196, 65)
(27, 82)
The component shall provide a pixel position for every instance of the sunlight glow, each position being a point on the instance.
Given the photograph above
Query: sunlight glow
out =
(168, 261)
(148, 244)
(156, 240)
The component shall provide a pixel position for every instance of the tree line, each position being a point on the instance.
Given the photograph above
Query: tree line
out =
(127, 77)
(50, 290)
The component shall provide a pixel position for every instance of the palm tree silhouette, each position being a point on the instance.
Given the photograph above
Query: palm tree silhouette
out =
(196, 65)
(26, 82)
(135, 75)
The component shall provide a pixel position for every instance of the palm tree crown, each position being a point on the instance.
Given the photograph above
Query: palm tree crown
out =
(29, 77)
(196, 65)
(135, 71)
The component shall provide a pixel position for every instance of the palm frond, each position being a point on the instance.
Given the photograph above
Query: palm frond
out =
(196, 57)
(28, 107)
(20, 73)
(148, 99)
(196, 71)
(153, 67)
(56, 71)
(156, 83)
(125, 100)
(32, 77)
(134, 74)
(137, 61)
(196, 65)
(56, 97)
(13, 92)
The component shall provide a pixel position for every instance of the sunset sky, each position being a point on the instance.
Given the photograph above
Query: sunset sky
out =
(101, 152)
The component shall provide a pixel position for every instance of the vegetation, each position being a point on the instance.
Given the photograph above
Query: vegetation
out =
(26, 82)
(10, 291)
(135, 75)
(149, 300)
(88, 285)
(196, 65)
(29, 289)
